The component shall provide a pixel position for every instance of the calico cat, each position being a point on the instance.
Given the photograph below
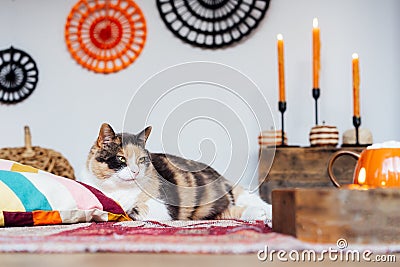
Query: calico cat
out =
(152, 186)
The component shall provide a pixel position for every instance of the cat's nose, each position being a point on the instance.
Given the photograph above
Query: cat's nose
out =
(134, 173)
(135, 170)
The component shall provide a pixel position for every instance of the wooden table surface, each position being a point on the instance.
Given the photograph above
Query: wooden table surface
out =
(151, 259)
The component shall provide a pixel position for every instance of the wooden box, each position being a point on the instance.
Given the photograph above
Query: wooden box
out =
(302, 167)
(328, 214)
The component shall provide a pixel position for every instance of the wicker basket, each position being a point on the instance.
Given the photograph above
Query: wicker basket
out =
(38, 157)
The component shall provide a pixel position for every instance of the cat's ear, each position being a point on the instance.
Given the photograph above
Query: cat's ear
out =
(143, 135)
(106, 135)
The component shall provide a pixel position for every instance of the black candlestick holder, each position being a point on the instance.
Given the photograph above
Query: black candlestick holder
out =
(357, 123)
(316, 94)
(282, 109)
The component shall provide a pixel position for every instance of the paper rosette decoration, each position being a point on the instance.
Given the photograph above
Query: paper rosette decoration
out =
(18, 75)
(212, 23)
(105, 36)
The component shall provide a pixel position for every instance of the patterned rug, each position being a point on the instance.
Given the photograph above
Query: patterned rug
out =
(224, 236)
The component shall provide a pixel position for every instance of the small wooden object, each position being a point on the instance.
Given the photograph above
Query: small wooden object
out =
(327, 214)
(38, 157)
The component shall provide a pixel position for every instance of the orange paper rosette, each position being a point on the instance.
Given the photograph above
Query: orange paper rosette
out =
(105, 36)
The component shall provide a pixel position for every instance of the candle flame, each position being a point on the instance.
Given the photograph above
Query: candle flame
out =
(355, 55)
(315, 23)
(279, 37)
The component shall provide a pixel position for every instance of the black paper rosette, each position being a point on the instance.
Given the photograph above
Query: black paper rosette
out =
(212, 23)
(18, 75)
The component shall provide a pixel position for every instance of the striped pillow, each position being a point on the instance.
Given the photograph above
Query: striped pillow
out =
(29, 197)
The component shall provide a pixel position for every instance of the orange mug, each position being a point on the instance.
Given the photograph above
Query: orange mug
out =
(376, 167)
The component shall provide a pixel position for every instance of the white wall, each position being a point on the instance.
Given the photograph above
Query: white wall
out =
(70, 103)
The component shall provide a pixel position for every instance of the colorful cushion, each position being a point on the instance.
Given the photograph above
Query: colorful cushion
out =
(29, 196)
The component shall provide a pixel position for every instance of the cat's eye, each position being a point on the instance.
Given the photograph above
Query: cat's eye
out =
(142, 160)
(121, 159)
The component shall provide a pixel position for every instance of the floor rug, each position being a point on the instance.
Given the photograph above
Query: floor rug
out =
(224, 236)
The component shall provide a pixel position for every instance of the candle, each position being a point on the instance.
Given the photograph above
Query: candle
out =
(281, 69)
(356, 86)
(316, 53)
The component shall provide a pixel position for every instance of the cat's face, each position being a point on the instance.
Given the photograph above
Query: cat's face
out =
(119, 157)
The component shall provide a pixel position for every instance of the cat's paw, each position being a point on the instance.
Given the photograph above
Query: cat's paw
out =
(261, 213)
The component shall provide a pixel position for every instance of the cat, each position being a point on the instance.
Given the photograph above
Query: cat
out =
(155, 186)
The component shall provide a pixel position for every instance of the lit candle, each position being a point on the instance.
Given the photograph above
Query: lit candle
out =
(281, 67)
(316, 53)
(356, 86)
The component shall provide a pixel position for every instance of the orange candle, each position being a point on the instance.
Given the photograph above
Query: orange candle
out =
(316, 53)
(356, 86)
(281, 67)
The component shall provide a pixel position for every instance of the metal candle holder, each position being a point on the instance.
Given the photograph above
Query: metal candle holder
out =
(316, 94)
(357, 123)
(282, 109)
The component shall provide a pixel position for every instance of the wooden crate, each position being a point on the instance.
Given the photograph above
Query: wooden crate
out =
(328, 214)
(302, 167)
